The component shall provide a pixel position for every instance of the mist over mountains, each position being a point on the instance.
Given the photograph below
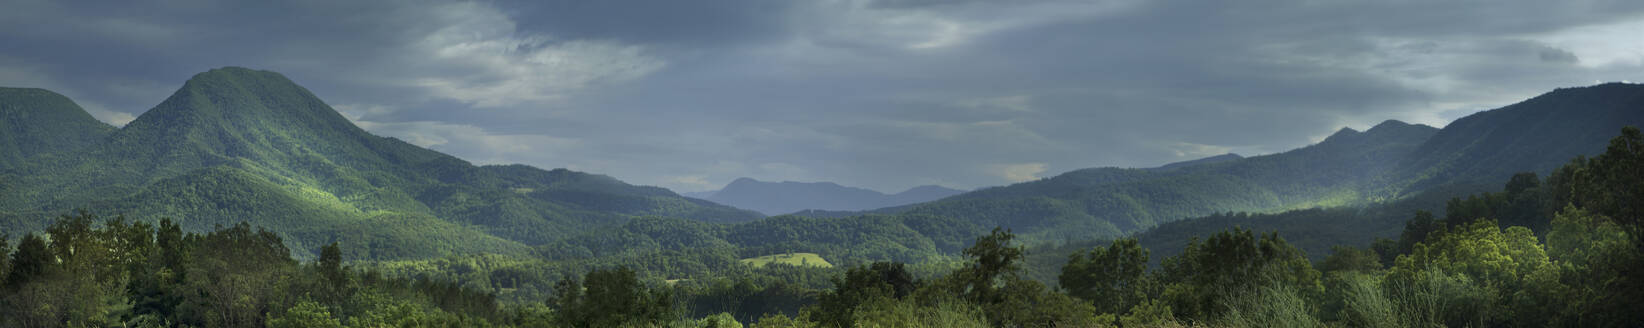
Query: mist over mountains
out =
(774, 198)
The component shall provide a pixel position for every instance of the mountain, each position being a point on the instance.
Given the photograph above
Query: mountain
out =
(37, 121)
(1390, 161)
(922, 194)
(1536, 135)
(1201, 161)
(788, 196)
(1089, 203)
(235, 144)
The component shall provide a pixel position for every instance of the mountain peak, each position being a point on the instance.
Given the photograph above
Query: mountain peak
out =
(234, 100)
(1344, 132)
(38, 105)
(34, 121)
(1201, 161)
(1389, 124)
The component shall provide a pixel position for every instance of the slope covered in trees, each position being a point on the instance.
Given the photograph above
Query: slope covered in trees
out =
(235, 144)
(41, 122)
(1107, 202)
(1482, 264)
(1390, 162)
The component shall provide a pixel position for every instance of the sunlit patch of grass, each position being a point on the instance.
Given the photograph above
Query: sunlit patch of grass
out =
(795, 259)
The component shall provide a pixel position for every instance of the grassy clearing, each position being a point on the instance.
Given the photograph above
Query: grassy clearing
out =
(797, 259)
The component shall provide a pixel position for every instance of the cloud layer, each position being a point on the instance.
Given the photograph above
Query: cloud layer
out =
(880, 94)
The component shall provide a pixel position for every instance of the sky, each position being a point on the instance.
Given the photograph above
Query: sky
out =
(882, 94)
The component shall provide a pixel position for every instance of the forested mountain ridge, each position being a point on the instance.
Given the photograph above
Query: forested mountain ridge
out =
(1108, 202)
(235, 144)
(1536, 135)
(1201, 161)
(54, 123)
(1390, 161)
(785, 197)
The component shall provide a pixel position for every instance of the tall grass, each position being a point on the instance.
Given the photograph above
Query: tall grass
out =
(1268, 306)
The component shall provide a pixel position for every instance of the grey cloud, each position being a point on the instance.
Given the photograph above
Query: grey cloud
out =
(880, 94)
(1556, 55)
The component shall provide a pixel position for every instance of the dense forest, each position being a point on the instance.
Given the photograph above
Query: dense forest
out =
(1564, 250)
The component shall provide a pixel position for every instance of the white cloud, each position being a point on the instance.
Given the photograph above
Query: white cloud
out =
(1020, 172)
(501, 66)
(1193, 150)
(1600, 45)
(476, 144)
(941, 26)
(114, 118)
(689, 183)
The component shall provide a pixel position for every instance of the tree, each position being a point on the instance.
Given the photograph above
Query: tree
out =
(837, 307)
(993, 259)
(1480, 258)
(1612, 185)
(1416, 230)
(1347, 258)
(1115, 278)
(334, 286)
(611, 298)
(307, 314)
(992, 280)
(32, 260)
(1230, 263)
(5, 258)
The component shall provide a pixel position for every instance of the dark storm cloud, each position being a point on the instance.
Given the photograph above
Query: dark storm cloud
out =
(884, 94)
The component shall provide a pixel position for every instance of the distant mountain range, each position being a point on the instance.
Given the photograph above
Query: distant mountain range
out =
(773, 198)
(235, 144)
(1390, 161)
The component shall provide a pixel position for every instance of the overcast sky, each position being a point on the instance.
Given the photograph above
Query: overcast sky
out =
(690, 95)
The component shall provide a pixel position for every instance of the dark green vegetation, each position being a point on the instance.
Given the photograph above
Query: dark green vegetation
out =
(1481, 265)
(53, 123)
(94, 273)
(235, 144)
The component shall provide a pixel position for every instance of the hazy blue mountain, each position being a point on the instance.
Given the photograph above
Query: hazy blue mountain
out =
(235, 144)
(788, 197)
(1201, 161)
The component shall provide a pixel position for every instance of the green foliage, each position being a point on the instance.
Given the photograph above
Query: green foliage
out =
(889, 313)
(1115, 278)
(306, 314)
(1150, 313)
(1268, 306)
(608, 298)
(112, 272)
(721, 320)
(1361, 301)
(1348, 258)
(795, 259)
(837, 307)
(37, 122)
(1230, 264)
